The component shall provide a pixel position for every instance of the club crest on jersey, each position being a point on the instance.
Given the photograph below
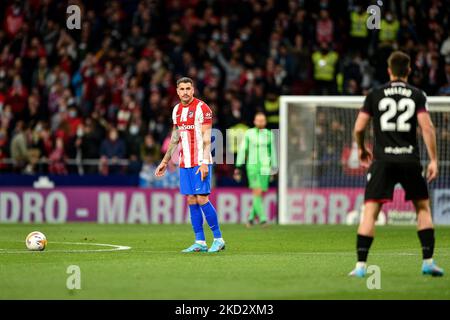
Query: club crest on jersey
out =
(191, 114)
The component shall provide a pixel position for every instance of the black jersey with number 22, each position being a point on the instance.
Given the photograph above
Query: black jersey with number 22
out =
(394, 107)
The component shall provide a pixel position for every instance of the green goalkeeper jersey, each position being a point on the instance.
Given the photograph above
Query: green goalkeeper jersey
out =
(257, 151)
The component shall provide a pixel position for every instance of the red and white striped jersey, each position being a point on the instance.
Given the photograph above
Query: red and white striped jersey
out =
(189, 120)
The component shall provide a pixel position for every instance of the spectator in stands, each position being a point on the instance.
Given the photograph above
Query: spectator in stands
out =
(19, 146)
(147, 178)
(87, 142)
(6, 118)
(33, 112)
(324, 28)
(445, 49)
(14, 19)
(325, 66)
(170, 180)
(272, 109)
(34, 150)
(233, 112)
(3, 137)
(3, 157)
(358, 29)
(57, 159)
(135, 51)
(389, 28)
(445, 89)
(232, 69)
(301, 56)
(133, 139)
(112, 149)
(150, 150)
(45, 146)
(285, 62)
(17, 96)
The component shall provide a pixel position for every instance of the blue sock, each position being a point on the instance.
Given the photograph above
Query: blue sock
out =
(197, 221)
(211, 218)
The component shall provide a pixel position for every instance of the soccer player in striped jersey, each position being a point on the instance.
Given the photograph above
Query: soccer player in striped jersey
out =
(192, 123)
(396, 109)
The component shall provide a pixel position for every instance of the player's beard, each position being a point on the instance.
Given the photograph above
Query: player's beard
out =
(186, 99)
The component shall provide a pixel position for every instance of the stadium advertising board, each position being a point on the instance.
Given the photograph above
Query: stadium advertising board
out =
(119, 205)
(333, 205)
(135, 205)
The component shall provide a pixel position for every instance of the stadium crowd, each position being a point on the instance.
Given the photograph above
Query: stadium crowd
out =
(106, 91)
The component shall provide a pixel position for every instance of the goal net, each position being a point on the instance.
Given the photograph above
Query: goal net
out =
(321, 180)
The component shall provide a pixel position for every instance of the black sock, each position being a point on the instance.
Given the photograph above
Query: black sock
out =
(363, 244)
(426, 237)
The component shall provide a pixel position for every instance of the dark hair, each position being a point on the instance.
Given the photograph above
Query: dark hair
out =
(399, 63)
(185, 80)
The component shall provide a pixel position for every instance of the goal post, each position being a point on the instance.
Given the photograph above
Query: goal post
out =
(320, 177)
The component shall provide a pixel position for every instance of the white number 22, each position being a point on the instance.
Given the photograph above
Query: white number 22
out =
(391, 107)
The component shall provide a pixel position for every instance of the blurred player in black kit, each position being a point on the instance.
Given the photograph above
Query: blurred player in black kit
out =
(396, 109)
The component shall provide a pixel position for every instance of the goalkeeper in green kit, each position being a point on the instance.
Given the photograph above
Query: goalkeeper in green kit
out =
(257, 152)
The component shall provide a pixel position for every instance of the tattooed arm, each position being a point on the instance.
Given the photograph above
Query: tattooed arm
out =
(159, 172)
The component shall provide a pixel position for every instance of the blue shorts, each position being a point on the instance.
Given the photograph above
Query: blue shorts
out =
(191, 183)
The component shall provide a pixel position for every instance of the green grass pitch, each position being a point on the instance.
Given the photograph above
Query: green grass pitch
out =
(279, 262)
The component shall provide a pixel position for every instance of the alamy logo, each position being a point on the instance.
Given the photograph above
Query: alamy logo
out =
(443, 202)
(74, 19)
(74, 280)
(374, 20)
(374, 281)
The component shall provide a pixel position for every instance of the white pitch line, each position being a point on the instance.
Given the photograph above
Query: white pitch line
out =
(348, 253)
(112, 246)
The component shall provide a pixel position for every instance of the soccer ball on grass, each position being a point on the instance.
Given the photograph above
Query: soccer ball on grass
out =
(36, 241)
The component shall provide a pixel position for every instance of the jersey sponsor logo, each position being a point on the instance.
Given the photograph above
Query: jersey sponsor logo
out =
(208, 115)
(187, 127)
(399, 150)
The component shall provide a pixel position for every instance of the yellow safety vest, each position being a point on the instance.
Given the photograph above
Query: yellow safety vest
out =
(272, 111)
(340, 82)
(235, 134)
(359, 25)
(324, 65)
(388, 31)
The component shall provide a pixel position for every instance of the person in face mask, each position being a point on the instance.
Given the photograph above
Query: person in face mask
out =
(73, 120)
(134, 140)
(100, 81)
(325, 64)
(216, 35)
(134, 129)
(389, 28)
(134, 137)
